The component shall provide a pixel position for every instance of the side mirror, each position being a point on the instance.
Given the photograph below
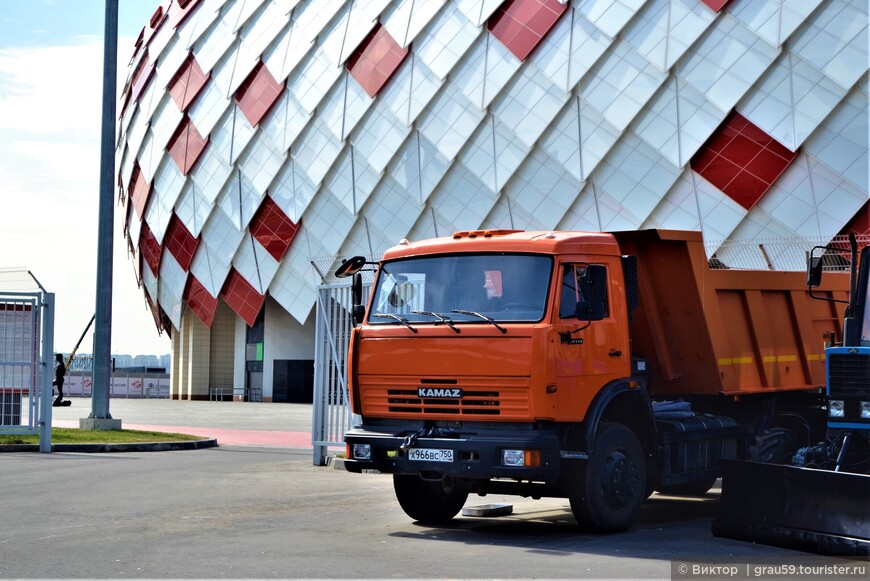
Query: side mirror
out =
(590, 310)
(350, 267)
(814, 271)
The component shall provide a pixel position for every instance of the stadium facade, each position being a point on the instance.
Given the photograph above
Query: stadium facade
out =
(261, 141)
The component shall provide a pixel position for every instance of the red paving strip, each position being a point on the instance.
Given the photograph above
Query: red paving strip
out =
(224, 436)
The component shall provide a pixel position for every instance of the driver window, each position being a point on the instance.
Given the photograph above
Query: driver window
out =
(582, 282)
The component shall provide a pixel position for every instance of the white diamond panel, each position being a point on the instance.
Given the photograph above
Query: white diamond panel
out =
(409, 17)
(292, 190)
(170, 288)
(621, 84)
(773, 21)
(665, 29)
(239, 200)
(352, 180)
(835, 41)
(791, 100)
(677, 121)
(841, 141)
(255, 264)
(379, 137)
(449, 36)
(609, 15)
(726, 62)
(488, 67)
(573, 35)
(449, 122)
(410, 89)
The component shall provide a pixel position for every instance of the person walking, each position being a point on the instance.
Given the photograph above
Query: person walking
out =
(59, 372)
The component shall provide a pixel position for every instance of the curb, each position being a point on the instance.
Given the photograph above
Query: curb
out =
(125, 447)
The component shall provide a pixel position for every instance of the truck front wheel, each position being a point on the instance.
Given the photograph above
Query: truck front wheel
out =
(608, 496)
(427, 501)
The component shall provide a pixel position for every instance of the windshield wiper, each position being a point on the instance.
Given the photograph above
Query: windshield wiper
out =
(486, 318)
(402, 320)
(441, 318)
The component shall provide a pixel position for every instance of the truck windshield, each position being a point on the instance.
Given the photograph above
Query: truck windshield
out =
(501, 287)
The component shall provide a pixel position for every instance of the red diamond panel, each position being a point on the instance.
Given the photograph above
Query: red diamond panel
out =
(520, 25)
(375, 60)
(258, 93)
(180, 242)
(187, 83)
(716, 5)
(143, 74)
(200, 301)
(273, 229)
(242, 297)
(742, 160)
(186, 145)
(139, 191)
(178, 11)
(150, 249)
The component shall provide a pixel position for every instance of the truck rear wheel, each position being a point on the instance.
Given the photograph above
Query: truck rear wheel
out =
(427, 501)
(609, 495)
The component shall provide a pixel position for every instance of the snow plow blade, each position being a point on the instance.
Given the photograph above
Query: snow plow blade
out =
(818, 511)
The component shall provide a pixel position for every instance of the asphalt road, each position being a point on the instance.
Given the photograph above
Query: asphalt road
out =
(244, 512)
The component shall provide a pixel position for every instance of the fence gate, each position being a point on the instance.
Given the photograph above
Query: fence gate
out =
(26, 357)
(332, 415)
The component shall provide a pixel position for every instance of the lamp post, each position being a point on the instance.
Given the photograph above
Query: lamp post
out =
(100, 418)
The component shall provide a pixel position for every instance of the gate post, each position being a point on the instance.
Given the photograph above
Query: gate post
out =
(45, 372)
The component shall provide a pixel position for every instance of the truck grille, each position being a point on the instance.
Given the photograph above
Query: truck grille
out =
(502, 398)
(482, 403)
(849, 374)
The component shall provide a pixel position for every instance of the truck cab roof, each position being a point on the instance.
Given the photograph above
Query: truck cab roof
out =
(520, 241)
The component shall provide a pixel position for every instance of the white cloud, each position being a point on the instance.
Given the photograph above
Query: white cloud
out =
(50, 113)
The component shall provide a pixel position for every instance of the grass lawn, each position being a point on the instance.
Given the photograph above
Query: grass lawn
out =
(76, 436)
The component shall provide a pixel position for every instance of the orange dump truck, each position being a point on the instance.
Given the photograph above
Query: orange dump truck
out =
(591, 366)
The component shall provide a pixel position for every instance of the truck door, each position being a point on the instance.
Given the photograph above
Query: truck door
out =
(588, 354)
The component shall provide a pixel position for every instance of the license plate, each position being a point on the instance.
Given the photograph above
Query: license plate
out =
(430, 455)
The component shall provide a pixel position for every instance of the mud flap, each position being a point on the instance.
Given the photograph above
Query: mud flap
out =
(818, 511)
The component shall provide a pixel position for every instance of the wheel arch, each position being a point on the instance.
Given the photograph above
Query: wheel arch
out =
(625, 402)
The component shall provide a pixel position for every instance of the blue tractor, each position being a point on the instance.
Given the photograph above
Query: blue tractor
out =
(820, 500)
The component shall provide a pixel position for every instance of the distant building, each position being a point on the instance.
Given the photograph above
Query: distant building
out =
(258, 145)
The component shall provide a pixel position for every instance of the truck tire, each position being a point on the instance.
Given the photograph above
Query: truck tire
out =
(773, 446)
(613, 486)
(427, 501)
(699, 488)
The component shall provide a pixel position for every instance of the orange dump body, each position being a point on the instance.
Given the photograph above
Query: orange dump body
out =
(711, 331)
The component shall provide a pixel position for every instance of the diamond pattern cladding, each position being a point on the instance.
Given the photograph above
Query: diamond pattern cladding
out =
(258, 138)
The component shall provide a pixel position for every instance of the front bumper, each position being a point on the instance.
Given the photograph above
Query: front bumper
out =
(477, 454)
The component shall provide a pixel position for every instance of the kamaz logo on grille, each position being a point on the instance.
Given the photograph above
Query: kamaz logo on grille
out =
(442, 392)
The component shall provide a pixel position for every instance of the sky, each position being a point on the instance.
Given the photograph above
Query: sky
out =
(51, 61)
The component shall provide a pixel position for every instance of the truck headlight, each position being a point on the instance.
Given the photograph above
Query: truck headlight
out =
(835, 408)
(362, 451)
(527, 458)
(865, 410)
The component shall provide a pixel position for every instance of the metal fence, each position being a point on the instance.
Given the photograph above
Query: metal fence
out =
(26, 356)
(331, 413)
(784, 254)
